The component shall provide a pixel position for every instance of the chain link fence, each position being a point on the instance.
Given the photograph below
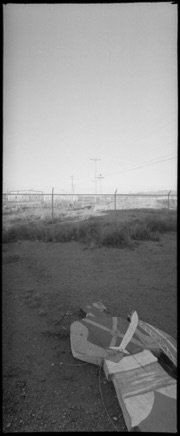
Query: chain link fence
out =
(103, 201)
(49, 207)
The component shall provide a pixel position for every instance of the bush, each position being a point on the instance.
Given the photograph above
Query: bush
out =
(64, 233)
(88, 231)
(28, 231)
(114, 236)
(5, 236)
(139, 231)
(161, 224)
(111, 230)
(21, 231)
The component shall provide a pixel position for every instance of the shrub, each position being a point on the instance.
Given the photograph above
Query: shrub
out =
(88, 231)
(110, 230)
(28, 231)
(5, 236)
(40, 232)
(114, 236)
(17, 232)
(138, 231)
(161, 223)
(141, 232)
(64, 233)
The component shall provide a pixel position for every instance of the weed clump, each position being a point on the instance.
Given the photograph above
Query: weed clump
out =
(139, 231)
(21, 231)
(114, 236)
(101, 231)
(89, 231)
(161, 224)
(64, 233)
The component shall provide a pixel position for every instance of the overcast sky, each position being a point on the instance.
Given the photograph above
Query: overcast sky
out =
(90, 81)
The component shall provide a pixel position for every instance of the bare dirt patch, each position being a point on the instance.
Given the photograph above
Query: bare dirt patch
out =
(44, 285)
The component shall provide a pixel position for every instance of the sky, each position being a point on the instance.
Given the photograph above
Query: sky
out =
(90, 81)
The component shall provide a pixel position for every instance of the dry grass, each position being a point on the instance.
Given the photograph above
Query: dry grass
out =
(116, 228)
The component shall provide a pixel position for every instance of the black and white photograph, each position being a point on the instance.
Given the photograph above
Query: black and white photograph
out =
(89, 217)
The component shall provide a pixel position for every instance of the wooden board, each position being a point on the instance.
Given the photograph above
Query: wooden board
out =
(145, 391)
(145, 385)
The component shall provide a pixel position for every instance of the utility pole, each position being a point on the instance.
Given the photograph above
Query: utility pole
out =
(52, 204)
(95, 172)
(115, 199)
(100, 177)
(168, 198)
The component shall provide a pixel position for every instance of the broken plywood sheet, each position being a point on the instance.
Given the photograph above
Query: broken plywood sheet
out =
(145, 387)
(92, 337)
(145, 391)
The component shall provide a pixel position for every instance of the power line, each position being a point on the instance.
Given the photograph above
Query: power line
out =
(145, 164)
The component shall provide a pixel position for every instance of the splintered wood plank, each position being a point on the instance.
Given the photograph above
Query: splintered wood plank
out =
(146, 393)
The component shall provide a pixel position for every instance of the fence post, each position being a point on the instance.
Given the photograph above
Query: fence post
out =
(115, 199)
(52, 204)
(168, 198)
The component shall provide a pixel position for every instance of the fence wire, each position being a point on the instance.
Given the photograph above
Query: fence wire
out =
(97, 202)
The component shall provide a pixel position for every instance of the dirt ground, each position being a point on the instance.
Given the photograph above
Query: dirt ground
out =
(44, 285)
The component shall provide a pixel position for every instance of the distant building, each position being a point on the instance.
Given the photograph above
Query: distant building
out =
(59, 198)
(25, 195)
(86, 198)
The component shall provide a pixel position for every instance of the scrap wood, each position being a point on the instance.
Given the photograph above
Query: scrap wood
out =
(146, 390)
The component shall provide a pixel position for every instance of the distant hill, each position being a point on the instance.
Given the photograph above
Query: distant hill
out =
(163, 192)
